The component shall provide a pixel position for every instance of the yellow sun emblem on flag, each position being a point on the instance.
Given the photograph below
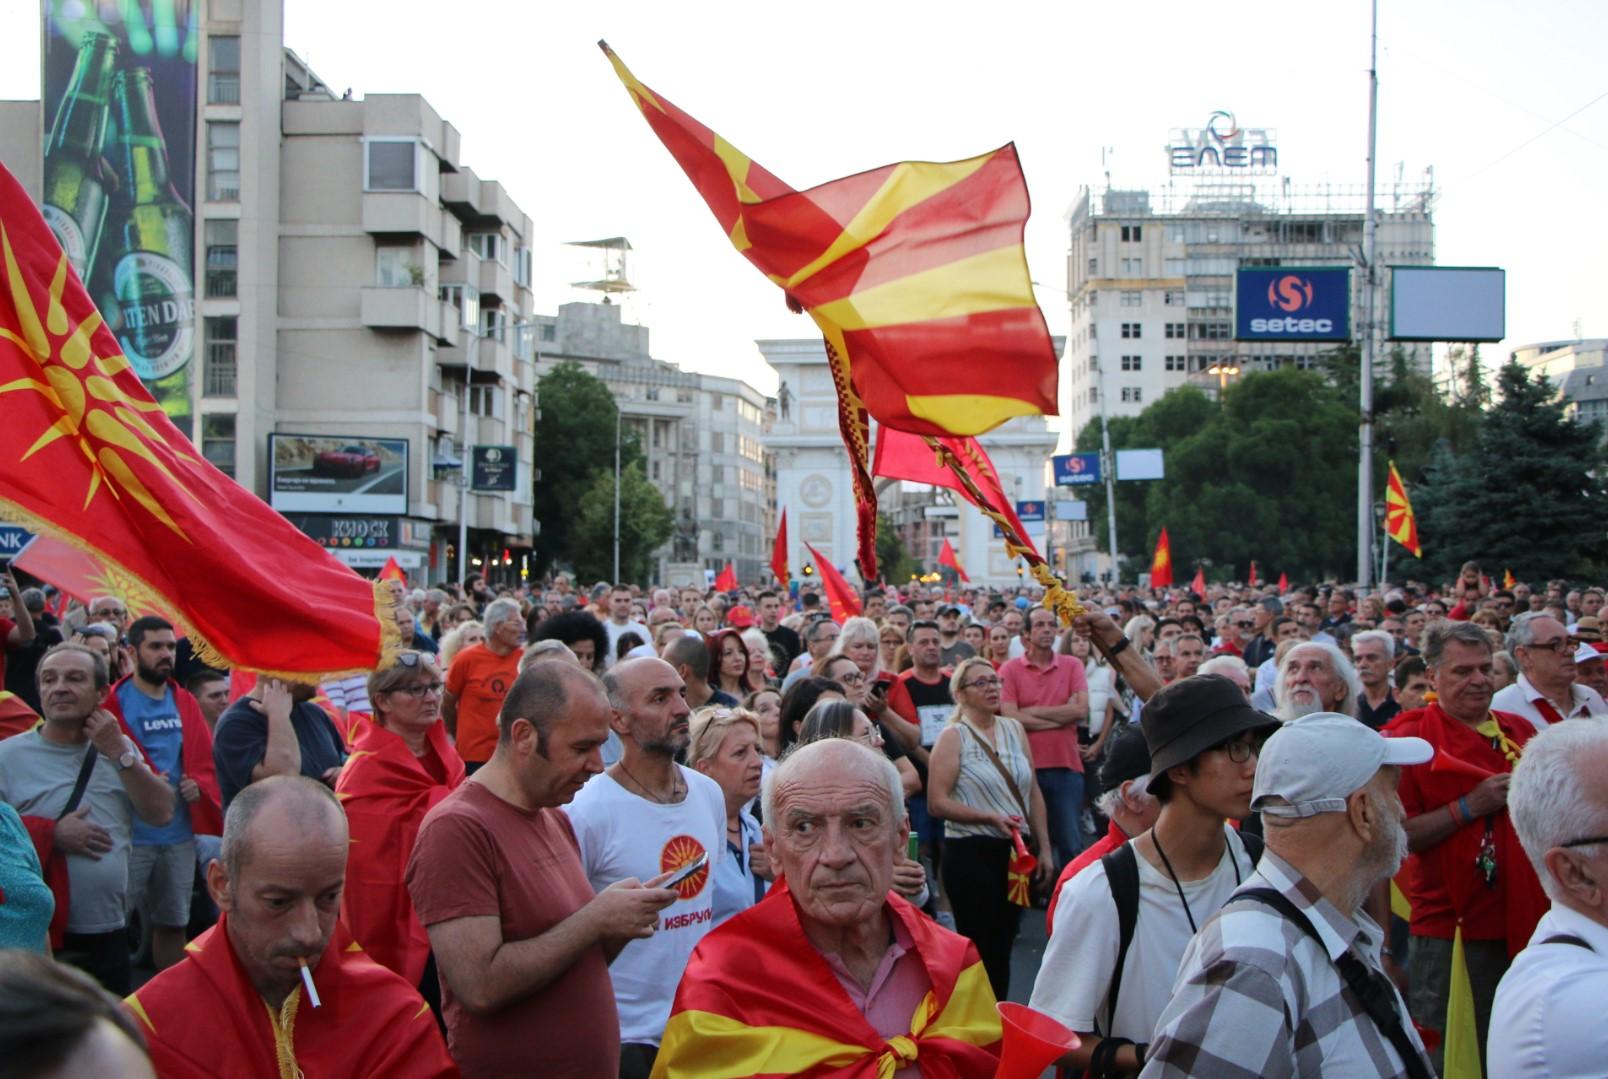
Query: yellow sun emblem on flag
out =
(92, 410)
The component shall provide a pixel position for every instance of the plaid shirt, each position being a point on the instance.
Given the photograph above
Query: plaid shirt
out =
(1258, 998)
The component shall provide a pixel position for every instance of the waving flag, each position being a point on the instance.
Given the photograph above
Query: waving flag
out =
(946, 557)
(726, 581)
(1251, 578)
(903, 456)
(915, 274)
(840, 597)
(779, 553)
(88, 459)
(393, 571)
(1508, 580)
(1198, 584)
(1161, 574)
(1284, 583)
(1400, 524)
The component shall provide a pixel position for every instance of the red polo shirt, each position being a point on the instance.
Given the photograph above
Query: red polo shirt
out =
(1027, 686)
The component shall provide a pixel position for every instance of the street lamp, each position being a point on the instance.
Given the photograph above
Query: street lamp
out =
(1222, 369)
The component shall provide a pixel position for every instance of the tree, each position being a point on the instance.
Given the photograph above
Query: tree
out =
(645, 523)
(893, 560)
(574, 439)
(1528, 494)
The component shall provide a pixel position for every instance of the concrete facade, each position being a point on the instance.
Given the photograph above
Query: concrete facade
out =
(1579, 370)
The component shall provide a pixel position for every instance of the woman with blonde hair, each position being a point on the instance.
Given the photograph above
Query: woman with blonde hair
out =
(860, 641)
(980, 783)
(723, 744)
(759, 659)
(466, 634)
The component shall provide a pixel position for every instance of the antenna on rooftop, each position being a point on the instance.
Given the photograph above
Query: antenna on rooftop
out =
(613, 281)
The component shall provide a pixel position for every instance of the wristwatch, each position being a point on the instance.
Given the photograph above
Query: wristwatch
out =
(126, 760)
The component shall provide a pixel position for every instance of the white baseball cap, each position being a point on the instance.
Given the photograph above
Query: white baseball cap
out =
(1313, 764)
(1585, 653)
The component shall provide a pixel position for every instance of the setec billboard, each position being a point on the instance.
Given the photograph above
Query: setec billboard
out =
(1076, 469)
(1290, 303)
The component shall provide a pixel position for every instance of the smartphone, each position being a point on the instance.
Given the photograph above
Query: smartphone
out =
(687, 870)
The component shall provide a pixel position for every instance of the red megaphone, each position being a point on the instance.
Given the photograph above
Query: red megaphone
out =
(1032, 1041)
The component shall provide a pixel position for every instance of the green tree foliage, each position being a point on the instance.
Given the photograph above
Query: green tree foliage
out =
(1526, 495)
(893, 560)
(645, 523)
(574, 440)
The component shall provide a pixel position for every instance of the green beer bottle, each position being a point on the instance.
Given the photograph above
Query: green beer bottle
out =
(152, 275)
(75, 189)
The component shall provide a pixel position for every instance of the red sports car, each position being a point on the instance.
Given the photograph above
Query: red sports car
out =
(346, 461)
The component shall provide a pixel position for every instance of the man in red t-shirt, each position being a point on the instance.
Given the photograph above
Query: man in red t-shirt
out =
(1466, 868)
(1049, 694)
(1129, 807)
(521, 941)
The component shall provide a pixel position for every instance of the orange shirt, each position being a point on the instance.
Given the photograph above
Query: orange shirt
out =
(478, 680)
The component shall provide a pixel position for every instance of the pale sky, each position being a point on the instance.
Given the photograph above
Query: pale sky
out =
(819, 90)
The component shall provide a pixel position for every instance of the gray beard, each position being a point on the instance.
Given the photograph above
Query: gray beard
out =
(1295, 709)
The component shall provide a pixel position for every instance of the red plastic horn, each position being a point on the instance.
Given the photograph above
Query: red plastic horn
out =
(1025, 862)
(1032, 1042)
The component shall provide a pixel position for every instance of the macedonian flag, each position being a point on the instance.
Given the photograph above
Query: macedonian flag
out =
(1400, 523)
(915, 274)
(90, 460)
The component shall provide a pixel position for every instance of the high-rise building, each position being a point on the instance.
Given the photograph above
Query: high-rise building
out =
(1579, 371)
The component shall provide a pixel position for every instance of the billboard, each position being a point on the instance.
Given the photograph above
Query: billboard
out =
(1141, 465)
(1448, 303)
(1076, 469)
(119, 100)
(338, 474)
(1292, 303)
(492, 468)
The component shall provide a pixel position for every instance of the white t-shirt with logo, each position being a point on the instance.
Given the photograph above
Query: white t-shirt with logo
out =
(622, 834)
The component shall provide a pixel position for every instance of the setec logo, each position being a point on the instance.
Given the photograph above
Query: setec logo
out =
(1292, 304)
(1291, 294)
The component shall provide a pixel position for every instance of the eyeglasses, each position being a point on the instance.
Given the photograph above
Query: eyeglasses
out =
(853, 678)
(1241, 750)
(420, 690)
(985, 682)
(1558, 645)
(1591, 841)
(1246, 625)
(872, 738)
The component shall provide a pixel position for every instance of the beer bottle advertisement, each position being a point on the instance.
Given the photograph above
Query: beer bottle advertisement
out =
(120, 103)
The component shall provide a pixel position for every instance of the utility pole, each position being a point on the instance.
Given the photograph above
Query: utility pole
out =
(1108, 465)
(616, 577)
(1370, 287)
(466, 464)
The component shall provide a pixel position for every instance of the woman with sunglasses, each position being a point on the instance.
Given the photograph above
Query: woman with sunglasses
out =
(980, 782)
(402, 764)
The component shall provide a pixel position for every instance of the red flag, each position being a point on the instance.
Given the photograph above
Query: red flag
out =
(88, 458)
(946, 557)
(1198, 585)
(903, 456)
(1284, 583)
(727, 580)
(839, 596)
(779, 552)
(393, 571)
(73, 573)
(1508, 580)
(1161, 573)
(1251, 580)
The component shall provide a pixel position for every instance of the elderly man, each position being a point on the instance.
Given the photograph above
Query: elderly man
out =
(1286, 979)
(1546, 690)
(1590, 669)
(1547, 1019)
(78, 783)
(271, 990)
(1467, 875)
(831, 974)
(644, 816)
(1315, 677)
(819, 637)
(521, 940)
(1374, 652)
(478, 680)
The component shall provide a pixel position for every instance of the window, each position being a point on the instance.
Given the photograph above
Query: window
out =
(223, 256)
(717, 442)
(717, 402)
(521, 266)
(489, 245)
(1094, 394)
(1133, 267)
(223, 161)
(1132, 299)
(494, 323)
(218, 440)
(1094, 266)
(396, 266)
(391, 165)
(1173, 298)
(524, 341)
(1131, 234)
(466, 298)
(223, 71)
(1132, 394)
(549, 332)
(1177, 363)
(486, 400)
(1131, 363)
(1132, 329)
(218, 375)
(1176, 330)
(1211, 331)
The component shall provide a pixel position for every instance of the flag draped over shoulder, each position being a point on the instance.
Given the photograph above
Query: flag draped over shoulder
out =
(1161, 566)
(1400, 524)
(88, 459)
(840, 597)
(758, 999)
(779, 553)
(915, 274)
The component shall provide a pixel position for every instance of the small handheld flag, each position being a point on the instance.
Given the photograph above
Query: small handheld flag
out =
(1400, 524)
(1161, 574)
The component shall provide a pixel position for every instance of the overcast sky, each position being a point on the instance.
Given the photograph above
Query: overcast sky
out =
(1474, 89)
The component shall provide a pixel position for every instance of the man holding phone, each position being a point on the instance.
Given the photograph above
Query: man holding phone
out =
(17, 630)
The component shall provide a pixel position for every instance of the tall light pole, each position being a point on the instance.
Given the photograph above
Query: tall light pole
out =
(466, 464)
(1370, 285)
(1222, 369)
(616, 578)
(1108, 464)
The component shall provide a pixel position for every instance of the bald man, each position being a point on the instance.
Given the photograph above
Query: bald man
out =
(238, 1006)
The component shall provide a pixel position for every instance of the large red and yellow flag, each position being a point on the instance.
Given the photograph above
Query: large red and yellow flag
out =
(1400, 524)
(90, 460)
(903, 456)
(1161, 566)
(915, 274)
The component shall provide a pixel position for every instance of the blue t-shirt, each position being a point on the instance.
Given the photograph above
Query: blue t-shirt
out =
(156, 726)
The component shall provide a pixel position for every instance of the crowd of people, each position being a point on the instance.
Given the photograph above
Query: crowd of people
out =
(634, 832)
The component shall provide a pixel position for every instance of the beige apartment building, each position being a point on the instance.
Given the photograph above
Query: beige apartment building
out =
(360, 293)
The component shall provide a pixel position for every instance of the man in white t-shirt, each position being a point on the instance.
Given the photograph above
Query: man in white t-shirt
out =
(1203, 739)
(620, 622)
(647, 815)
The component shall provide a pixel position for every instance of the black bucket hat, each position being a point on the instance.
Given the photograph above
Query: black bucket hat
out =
(1190, 716)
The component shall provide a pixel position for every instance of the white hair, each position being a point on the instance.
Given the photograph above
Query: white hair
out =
(499, 611)
(1521, 632)
(802, 755)
(1384, 639)
(1337, 662)
(1222, 664)
(860, 629)
(1137, 800)
(1547, 799)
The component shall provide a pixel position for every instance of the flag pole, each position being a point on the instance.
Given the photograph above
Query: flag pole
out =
(1371, 282)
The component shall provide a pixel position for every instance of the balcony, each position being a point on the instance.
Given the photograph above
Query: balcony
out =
(401, 309)
(496, 280)
(400, 213)
(219, 373)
